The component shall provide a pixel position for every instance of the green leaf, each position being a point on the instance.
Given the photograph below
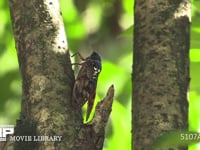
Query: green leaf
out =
(128, 32)
(195, 55)
(176, 138)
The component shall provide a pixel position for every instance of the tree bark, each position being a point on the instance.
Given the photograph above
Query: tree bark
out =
(161, 69)
(46, 71)
(48, 80)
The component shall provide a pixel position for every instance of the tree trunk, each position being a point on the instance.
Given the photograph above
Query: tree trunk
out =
(160, 70)
(48, 80)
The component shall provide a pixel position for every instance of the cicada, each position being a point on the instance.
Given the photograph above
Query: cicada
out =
(86, 82)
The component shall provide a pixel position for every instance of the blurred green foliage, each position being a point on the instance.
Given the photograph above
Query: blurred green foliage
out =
(10, 82)
(90, 25)
(104, 26)
(177, 138)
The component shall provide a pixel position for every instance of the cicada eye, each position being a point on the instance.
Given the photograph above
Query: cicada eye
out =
(96, 68)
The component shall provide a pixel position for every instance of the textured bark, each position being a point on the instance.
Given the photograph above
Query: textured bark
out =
(160, 70)
(46, 72)
(48, 81)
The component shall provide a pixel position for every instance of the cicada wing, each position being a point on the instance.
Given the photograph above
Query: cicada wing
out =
(80, 93)
(90, 105)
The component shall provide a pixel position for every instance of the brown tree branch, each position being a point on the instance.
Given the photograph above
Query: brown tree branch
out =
(103, 110)
(91, 135)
